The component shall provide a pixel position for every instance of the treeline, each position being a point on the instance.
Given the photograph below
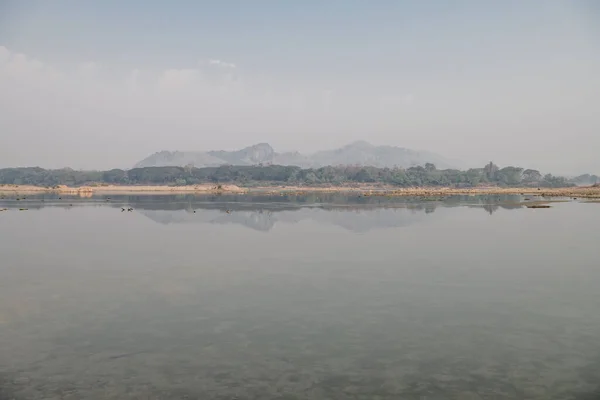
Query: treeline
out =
(427, 175)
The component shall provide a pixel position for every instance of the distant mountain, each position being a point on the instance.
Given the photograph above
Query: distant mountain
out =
(363, 153)
(259, 153)
(357, 153)
(585, 180)
(179, 158)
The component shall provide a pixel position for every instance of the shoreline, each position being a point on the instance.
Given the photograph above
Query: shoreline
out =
(366, 190)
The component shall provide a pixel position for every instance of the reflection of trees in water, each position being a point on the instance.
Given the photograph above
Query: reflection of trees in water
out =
(325, 201)
(357, 214)
(353, 219)
(262, 212)
(490, 208)
(491, 204)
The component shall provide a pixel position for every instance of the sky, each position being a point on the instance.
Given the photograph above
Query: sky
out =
(98, 85)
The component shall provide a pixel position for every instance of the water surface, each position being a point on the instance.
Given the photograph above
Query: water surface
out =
(325, 297)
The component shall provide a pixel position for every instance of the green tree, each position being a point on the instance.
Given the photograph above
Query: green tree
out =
(531, 176)
(490, 171)
(509, 176)
(429, 167)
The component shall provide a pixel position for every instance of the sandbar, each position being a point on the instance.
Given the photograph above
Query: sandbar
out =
(364, 190)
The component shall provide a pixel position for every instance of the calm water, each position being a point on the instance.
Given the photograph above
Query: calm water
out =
(298, 298)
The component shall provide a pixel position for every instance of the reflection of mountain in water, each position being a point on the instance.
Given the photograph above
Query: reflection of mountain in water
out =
(261, 212)
(264, 220)
(354, 213)
(259, 220)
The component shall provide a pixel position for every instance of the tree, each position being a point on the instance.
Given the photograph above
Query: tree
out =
(247, 175)
(509, 175)
(429, 167)
(116, 176)
(555, 181)
(490, 171)
(531, 176)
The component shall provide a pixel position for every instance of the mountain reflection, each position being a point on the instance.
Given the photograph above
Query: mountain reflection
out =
(264, 220)
(262, 212)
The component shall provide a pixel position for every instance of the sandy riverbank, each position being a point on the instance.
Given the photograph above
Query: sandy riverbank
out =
(91, 190)
(87, 191)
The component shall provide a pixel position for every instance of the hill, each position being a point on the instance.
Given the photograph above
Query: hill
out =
(358, 153)
(585, 180)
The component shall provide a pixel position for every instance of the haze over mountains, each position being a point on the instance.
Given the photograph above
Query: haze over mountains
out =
(356, 153)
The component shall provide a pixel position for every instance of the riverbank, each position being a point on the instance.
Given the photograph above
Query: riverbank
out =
(587, 192)
(366, 190)
(86, 191)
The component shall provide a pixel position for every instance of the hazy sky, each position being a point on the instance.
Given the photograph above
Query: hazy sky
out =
(105, 83)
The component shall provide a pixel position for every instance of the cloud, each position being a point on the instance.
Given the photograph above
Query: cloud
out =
(185, 95)
(75, 113)
(131, 82)
(4, 54)
(221, 63)
(88, 69)
(178, 78)
(18, 65)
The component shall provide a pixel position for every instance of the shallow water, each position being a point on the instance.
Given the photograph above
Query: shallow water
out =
(325, 297)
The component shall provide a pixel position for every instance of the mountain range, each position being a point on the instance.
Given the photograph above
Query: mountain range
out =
(356, 153)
